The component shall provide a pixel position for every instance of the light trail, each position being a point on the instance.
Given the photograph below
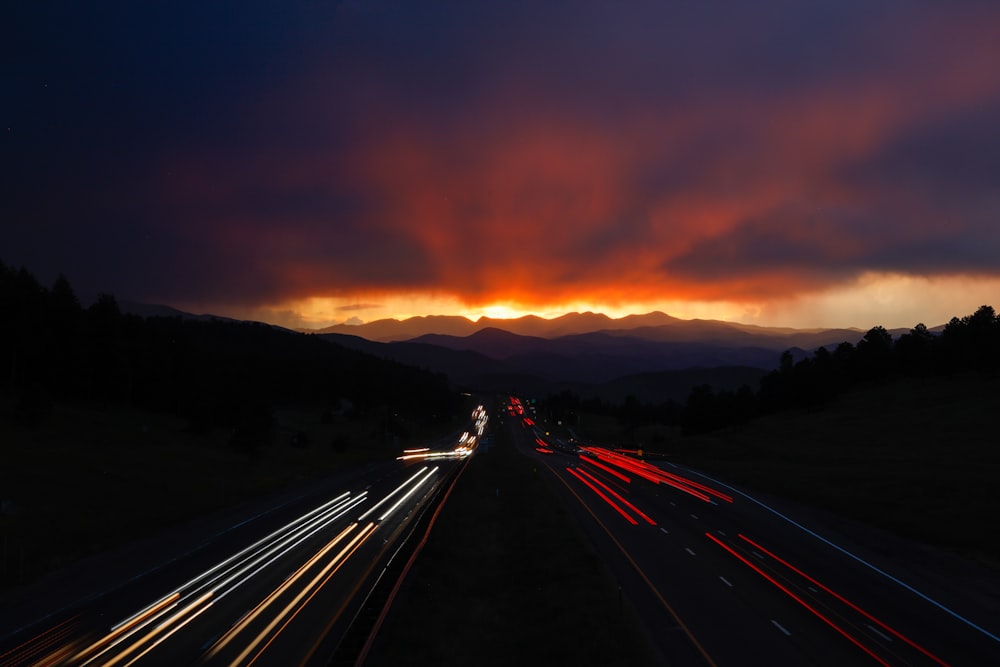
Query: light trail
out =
(394, 492)
(619, 497)
(250, 616)
(603, 497)
(407, 494)
(753, 566)
(607, 469)
(223, 578)
(847, 602)
(329, 568)
(158, 630)
(860, 560)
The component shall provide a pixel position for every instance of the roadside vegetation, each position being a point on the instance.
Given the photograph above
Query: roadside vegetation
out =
(918, 458)
(114, 426)
(897, 433)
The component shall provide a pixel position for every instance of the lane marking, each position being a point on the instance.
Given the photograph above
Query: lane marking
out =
(665, 531)
(721, 533)
(844, 551)
(781, 627)
(688, 549)
(812, 590)
(756, 554)
(639, 571)
(694, 516)
(875, 630)
(725, 581)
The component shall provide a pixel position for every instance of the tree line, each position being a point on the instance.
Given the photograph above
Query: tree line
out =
(214, 373)
(967, 344)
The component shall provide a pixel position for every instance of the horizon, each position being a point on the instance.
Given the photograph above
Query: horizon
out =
(803, 166)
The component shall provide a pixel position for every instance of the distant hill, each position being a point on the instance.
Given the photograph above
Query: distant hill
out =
(530, 325)
(653, 356)
(654, 326)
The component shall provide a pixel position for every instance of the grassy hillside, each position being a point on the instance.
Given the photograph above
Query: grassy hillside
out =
(95, 477)
(919, 458)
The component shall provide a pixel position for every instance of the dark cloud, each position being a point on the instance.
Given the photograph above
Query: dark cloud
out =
(252, 153)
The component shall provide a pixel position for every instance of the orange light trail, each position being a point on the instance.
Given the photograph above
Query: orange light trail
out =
(236, 629)
(329, 568)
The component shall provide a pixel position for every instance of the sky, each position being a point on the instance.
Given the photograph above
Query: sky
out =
(778, 162)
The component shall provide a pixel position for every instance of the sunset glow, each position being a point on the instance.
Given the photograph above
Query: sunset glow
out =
(836, 167)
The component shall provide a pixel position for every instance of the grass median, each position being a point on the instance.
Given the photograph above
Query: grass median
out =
(506, 578)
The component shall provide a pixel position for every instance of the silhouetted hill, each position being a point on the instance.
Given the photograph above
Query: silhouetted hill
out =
(655, 326)
(491, 342)
(456, 364)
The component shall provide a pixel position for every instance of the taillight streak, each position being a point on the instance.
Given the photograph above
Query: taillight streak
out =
(603, 497)
(618, 496)
(753, 566)
(845, 601)
(41, 642)
(607, 469)
(658, 476)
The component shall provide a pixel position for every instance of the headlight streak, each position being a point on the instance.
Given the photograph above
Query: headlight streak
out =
(316, 526)
(846, 602)
(305, 517)
(285, 585)
(310, 591)
(408, 494)
(159, 629)
(124, 627)
(753, 566)
(394, 492)
(281, 541)
(134, 637)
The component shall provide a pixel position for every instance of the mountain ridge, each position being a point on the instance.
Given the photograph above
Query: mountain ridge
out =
(391, 329)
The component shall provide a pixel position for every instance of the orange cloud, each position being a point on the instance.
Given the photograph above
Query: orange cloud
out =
(738, 195)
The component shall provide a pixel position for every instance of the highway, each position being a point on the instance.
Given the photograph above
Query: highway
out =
(720, 577)
(279, 587)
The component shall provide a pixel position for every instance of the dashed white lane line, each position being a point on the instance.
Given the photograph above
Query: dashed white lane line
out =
(756, 554)
(880, 634)
(665, 531)
(725, 581)
(720, 532)
(694, 516)
(781, 627)
(688, 549)
(812, 590)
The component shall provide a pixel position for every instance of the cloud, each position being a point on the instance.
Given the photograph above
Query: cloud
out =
(521, 154)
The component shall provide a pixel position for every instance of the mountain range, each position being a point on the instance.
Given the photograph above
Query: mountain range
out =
(655, 356)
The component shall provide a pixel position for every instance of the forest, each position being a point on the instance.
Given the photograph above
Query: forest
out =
(214, 373)
(969, 344)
